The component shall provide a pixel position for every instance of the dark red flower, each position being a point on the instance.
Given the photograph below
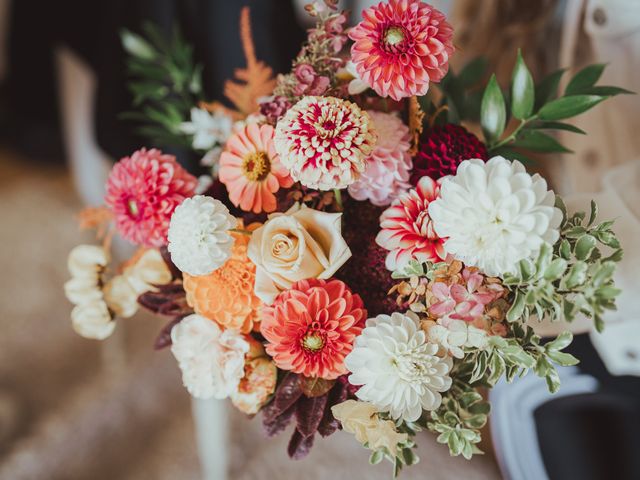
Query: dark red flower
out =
(442, 149)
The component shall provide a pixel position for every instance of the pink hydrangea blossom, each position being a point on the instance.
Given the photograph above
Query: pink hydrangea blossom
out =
(143, 190)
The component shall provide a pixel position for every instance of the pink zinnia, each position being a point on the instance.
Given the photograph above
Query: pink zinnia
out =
(407, 230)
(400, 46)
(143, 190)
(312, 326)
(251, 169)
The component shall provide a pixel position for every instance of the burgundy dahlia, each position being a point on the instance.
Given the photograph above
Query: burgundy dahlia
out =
(442, 149)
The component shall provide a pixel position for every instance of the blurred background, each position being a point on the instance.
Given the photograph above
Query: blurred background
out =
(71, 408)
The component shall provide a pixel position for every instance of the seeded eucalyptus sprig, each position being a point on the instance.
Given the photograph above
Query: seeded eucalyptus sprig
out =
(572, 277)
(165, 82)
(538, 108)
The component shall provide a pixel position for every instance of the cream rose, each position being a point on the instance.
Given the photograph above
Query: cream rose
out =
(299, 244)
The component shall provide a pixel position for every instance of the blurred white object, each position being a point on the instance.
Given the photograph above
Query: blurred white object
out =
(211, 431)
(513, 428)
(601, 31)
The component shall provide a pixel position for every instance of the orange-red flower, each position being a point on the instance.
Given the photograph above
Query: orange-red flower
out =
(226, 295)
(312, 326)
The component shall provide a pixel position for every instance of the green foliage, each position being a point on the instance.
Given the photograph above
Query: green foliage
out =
(572, 277)
(165, 83)
(459, 418)
(405, 456)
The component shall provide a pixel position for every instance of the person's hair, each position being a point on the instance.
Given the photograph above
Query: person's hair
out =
(497, 28)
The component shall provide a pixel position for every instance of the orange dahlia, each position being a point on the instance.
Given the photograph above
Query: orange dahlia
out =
(226, 295)
(251, 170)
(400, 46)
(311, 327)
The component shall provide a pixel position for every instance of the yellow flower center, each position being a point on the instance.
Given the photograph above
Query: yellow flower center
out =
(394, 36)
(312, 342)
(132, 206)
(256, 166)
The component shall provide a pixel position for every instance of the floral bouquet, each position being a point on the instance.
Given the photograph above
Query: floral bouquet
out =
(357, 258)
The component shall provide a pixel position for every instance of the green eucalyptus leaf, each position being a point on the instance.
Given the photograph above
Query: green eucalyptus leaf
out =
(522, 90)
(567, 107)
(493, 112)
(585, 78)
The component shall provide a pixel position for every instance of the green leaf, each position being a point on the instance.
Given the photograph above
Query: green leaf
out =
(608, 91)
(563, 359)
(556, 126)
(522, 90)
(548, 87)
(585, 78)
(553, 380)
(565, 249)
(584, 247)
(567, 107)
(555, 270)
(493, 112)
(544, 257)
(512, 154)
(376, 457)
(593, 212)
(137, 46)
(526, 268)
(539, 142)
(455, 445)
(561, 342)
(517, 307)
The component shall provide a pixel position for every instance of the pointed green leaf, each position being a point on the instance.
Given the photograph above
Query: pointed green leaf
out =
(376, 457)
(608, 91)
(567, 107)
(537, 141)
(473, 72)
(567, 127)
(593, 213)
(548, 87)
(585, 78)
(493, 112)
(522, 90)
(517, 308)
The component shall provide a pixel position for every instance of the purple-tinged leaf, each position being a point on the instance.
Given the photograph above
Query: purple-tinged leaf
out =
(275, 425)
(286, 395)
(169, 300)
(299, 446)
(315, 386)
(163, 339)
(309, 413)
(166, 256)
(329, 424)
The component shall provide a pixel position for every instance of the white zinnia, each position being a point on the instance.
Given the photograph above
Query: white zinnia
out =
(211, 359)
(208, 129)
(199, 239)
(399, 370)
(495, 214)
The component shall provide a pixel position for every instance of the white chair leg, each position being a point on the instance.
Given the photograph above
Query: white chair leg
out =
(210, 417)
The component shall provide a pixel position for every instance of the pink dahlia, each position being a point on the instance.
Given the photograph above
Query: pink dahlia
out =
(324, 142)
(386, 174)
(312, 326)
(143, 190)
(407, 230)
(251, 170)
(400, 46)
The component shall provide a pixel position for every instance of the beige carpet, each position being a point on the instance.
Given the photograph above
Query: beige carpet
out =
(76, 409)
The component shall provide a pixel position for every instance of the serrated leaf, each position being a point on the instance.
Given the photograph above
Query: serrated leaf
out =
(585, 78)
(493, 112)
(567, 107)
(522, 90)
(584, 247)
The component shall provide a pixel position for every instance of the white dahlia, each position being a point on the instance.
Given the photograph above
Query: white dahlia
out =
(386, 174)
(324, 142)
(199, 239)
(399, 370)
(211, 359)
(495, 214)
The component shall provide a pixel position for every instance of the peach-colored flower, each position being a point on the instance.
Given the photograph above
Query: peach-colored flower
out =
(226, 295)
(259, 381)
(251, 169)
(312, 326)
(400, 46)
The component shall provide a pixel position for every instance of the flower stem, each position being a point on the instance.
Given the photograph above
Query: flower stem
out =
(510, 138)
(338, 195)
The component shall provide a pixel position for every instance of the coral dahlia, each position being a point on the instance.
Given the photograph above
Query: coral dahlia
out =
(400, 46)
(442, 149)
(143, 190)
(325, 141)
(312, 326)
(386, 173)
(407, 230)
(251, 170)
